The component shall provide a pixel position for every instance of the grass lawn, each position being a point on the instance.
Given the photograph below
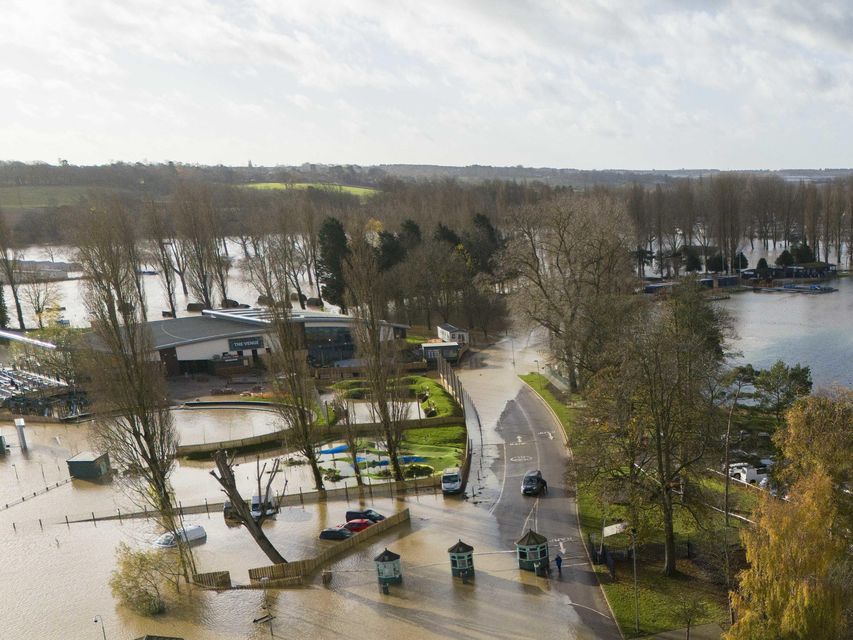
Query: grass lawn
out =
(660, 598)
(441, 447)
(35, 197)
(442, 401)
(361, 192)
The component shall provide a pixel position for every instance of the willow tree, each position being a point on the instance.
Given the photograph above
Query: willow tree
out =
(127, 387)
(376, 347)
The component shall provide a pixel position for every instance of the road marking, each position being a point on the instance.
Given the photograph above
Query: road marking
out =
(520, 459)
(503, 484)
(518, 439)
(562, 547)
(527, 519)
(547, 433)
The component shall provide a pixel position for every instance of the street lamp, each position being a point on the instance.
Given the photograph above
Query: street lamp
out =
(636, 593)
(100, 619)
(537, 367)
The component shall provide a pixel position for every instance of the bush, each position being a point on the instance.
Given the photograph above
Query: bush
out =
(418, 471)
(140, 576)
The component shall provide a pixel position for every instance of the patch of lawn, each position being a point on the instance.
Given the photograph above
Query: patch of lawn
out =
(361, 192)
(541, 385)
(439, 399)
(436, 437)
(36, 197)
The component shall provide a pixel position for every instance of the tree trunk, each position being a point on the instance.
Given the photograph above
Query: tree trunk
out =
(669, 534)
(318, 474)
(18, 308)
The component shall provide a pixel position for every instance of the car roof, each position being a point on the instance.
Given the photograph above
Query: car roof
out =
(532, 472)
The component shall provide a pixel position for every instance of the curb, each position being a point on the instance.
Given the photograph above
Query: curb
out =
(577, 515)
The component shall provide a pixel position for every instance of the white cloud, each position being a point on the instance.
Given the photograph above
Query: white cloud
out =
(590, 84)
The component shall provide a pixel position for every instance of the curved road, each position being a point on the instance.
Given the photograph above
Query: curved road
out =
(517, 432)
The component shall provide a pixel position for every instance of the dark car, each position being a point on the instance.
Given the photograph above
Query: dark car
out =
(335, 533)
(359, 524)
(533, 483)
(367, 514)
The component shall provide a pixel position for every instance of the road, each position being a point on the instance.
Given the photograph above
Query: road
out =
(516, 432)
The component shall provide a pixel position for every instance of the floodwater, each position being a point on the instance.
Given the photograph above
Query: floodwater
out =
(214, 425)
(813, 330)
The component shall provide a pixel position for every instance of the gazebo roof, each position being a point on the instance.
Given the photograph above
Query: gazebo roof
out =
(531, 539)
(386, 556)
(460, 547)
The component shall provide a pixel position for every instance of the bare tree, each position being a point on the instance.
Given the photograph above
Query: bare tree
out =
(290, 375)
(41, 294)
(162, 254)
(376, 346)
(10, 257)
(241, 510)
(570, 257)
(344, 409)
(134, 423)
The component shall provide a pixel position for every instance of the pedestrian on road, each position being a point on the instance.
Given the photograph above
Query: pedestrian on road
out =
(559, 562)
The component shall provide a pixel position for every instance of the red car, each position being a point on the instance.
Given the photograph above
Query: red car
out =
(357, 525)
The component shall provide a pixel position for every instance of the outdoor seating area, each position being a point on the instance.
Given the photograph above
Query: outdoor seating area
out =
(16, 382)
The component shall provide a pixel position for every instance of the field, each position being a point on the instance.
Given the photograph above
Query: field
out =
(37, 197)
(662, 601)
(361, 192)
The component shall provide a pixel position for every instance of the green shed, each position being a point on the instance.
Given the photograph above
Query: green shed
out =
(532, 551)
(87, 465)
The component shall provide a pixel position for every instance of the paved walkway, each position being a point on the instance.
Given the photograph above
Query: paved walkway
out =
(711, 631)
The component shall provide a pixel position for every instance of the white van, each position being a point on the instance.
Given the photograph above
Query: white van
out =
(451, 481)
(192, 534)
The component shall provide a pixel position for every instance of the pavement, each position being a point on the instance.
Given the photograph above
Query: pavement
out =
(517, 432)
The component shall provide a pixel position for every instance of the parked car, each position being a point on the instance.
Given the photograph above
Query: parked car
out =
(533, 483)
(192, 534)
(451, 481)
(367, 514)
(269, 507)
(335, 533)
(357, 525)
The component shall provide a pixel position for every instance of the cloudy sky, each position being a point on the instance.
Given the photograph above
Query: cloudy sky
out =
(588, 84)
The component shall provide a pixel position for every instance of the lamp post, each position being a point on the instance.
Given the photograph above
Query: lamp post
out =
(636, 593)
(100, 619)
(537, 367)
(512, 344)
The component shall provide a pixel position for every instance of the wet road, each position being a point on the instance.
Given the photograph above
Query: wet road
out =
(516, 432)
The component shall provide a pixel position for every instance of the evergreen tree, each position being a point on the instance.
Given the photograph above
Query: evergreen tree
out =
(4, 311)
(333, 252)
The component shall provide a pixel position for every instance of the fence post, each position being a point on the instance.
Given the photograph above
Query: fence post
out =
(67, 524)
(14, 527)
(370, 488)
(93, 519)
(346, 492)
(206, 510)
(119, 516)
(41, 526)
(301, 500)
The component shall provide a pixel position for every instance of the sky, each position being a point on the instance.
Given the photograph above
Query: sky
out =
(644, 84)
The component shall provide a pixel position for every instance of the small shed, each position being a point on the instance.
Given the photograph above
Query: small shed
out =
(461, 559)
(532, 551)
(388, 567)
(87, 465)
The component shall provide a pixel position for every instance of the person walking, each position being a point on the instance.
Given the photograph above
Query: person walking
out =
(559, 562)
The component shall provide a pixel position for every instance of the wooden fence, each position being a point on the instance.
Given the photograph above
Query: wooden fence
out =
(213, 580)
(279, 575)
